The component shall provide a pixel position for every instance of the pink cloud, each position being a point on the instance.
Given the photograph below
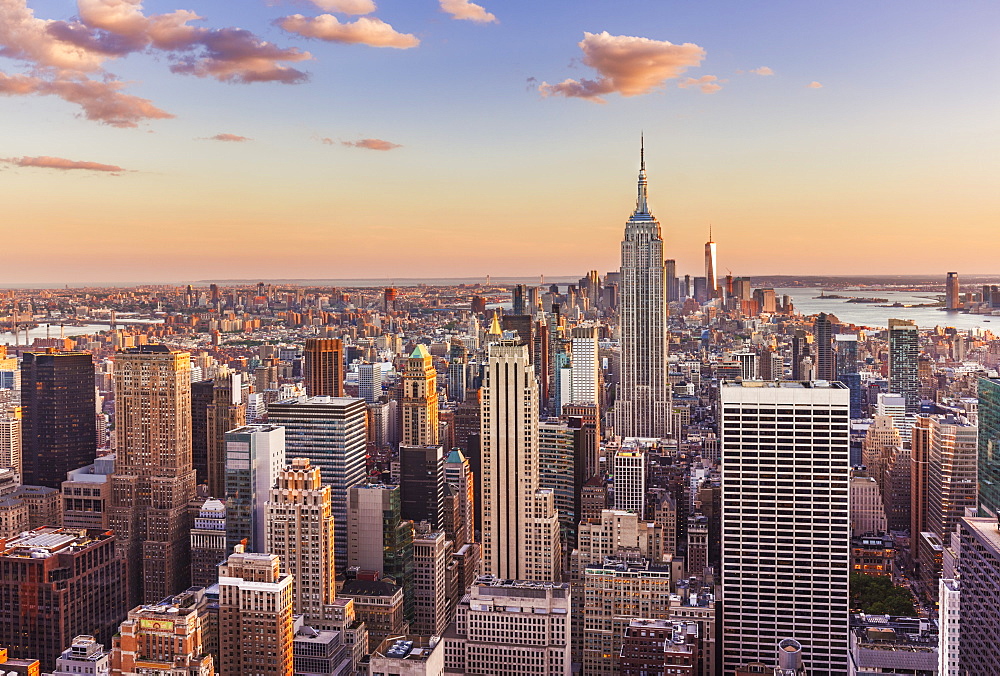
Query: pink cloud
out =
(232, 138)
(368, 144)
(814, 85)
(763, 70)
(47, 162)
(346, 6)
(101, 101)
(626, 65)
(237, 55)
(467, 10)
(25, 37)
(709, 84)
(364, 31)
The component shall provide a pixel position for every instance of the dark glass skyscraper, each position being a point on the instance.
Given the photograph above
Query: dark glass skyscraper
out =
(903, 370)
(60, 415)
(989, 445)
(823, 334)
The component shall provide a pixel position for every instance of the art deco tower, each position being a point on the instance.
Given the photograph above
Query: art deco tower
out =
(420, 400)
(643, 405)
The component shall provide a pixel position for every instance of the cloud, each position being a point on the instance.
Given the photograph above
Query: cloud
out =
(469, 11)
(626, 65)
(366, 143)
(47, 162)
(237, 55)
(25, 37)
(707, 83)
(814, 85)
(763, 70)
(232, 138)
(346, 6)
(101, 101)
(364, 31)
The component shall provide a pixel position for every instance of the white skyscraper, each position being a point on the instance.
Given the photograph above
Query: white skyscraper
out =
(785, 521)
(630, 479)
(642, 408)
(520, 523)
(586, 380)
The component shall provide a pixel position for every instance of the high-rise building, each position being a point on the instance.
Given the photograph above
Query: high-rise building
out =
(642, 408)
(59, 427)
(518, 299)
(989, 445)
(949, 627)
(785, 558)
(202, 396)
(826, 366)
(154, 479)
(951, 292)
(586, 365)
(300, 531)
(458, 474)
(255, 455)
(324, 367)
(86, 494)
(166, 637)
(208, 543)
(422, 483)
(431, 556)
(711, 268)
(370, 382)
(979, 570)
(673, 288)
(380, 539)
(84, 656)
(511, 627)
(330, 432)
(903, 371)
(420, 401)
(11, 425)
(57, 584)
(255, 616)
(227, 412)
(557, 461)
(519, 519)
(630, 478)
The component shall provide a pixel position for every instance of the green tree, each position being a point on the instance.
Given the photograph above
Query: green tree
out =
(879, 596)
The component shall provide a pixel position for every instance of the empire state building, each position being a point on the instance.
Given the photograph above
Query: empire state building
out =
(642, 408)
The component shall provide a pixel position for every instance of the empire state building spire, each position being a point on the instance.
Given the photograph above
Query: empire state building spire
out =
(641, 207)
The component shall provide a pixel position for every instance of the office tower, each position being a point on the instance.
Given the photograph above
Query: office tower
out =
(586, 364)
(166, 637)
(711, 277)
(767, 300)
(227, 412)
(86, 494)
(671, 281)
(153, 480)
(11, 427)
(903, 352)
(380, 539)
(421, 484)
(989, 445)
(519, 519)
(379, 604)
(894, 406)
(846, 357)
(420, 400)
(318, 651)
(208, 543)
(518, 300)
(616, 589)
(658, 647)
(701, 289)
(370, 382)
(979, 570)
(748, 364)
(59, 427)
(431, 556)
(57, 584)
(867, 511)
(557, 460)
(330, 432)
(84, 656)
(458, 377)
(802, 346)
(951, 292)
(785, 560)
(202, 396)
(949, 626)
(255, 456)
(826, 367)
(888, 462)
(458, 475)
(630, 478)
(324, 367)
(300, 531)
(506, 627)
(642, 408)
(255, 616)
(613, 535)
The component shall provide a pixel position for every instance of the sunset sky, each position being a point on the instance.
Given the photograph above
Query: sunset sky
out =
(177, 140)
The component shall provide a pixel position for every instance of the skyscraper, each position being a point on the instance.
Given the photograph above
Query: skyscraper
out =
(330, 432)
(826, 367)
(979, 569)
(630, 479)
(951, 292)
(519, 520)
(300, 531)
(226, 412)
(370, 382)
(586, 365)
(989, 445)
(154, 478)
(642, 408)
(711, 269)
(324, 367)
(255, 455)
(785, 557)
(420, 400)
(903, 371)
(59, 425)
(421, 483)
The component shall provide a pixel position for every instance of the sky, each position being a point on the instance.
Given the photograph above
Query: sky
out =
(177, 140)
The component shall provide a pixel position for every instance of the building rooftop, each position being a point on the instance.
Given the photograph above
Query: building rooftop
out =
(44, 542)
(788, 384)
(985, 528)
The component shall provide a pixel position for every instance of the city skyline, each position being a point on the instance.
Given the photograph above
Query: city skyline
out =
(481, 138)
